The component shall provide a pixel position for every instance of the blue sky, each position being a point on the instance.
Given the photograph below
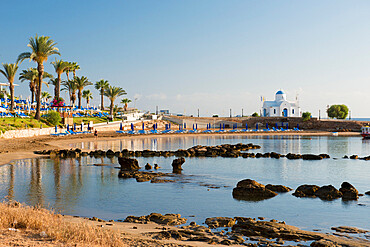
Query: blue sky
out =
(212, 55)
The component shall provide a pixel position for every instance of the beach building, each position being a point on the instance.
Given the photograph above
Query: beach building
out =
(281, 107)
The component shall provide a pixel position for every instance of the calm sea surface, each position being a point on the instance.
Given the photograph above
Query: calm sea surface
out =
(77, 187)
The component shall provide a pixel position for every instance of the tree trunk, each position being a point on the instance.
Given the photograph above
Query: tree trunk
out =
(111, 108)
(102, 99)
(11, 89)
(67, 74)
(57, 86)
(40, 69)
(73, 98)
(79, 99)
(125, 108)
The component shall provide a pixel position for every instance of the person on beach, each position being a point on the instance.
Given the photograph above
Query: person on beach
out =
(96, 133)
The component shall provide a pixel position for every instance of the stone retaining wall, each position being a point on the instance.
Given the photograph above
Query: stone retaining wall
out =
(26, 133)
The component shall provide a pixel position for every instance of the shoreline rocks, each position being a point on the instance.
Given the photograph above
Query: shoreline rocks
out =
(166, 219)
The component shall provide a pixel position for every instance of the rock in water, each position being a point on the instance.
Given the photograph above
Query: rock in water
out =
(306, 190)
(148, 166)
(367, 193)
(251, 190)
(128, 164)
(176, 165)
(278, 188)
(328, 192)
(311, 157)
(349, 191)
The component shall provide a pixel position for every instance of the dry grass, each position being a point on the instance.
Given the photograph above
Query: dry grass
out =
(35, 221)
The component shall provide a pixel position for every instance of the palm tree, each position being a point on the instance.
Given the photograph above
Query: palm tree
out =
(74, 67)
(9, 71)
(68, 70)
(87, 95)
(31, 75)
(101, 85)
(81, 82)
(46, 96)
(71, 86)
(60, 67)
(125, 101)
(112, 93)
(42, 47)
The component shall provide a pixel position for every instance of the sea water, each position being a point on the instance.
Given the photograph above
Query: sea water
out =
(204, 189)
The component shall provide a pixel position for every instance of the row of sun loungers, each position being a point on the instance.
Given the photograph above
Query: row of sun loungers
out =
(70, 132)
(203, 131)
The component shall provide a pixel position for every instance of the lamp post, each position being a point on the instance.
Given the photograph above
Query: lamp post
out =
(230, 113)
(198, 112)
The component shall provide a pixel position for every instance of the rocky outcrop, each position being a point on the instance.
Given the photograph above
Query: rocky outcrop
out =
(367, 193)
(311, 157)
(251, 190)
(128, 164)
(349, 191)
(328, 192)
(278, 188)
(306, 190)
(148, 166)
(216, 222)
(348, 229)
(291, 156)
(167, 219)
(176, 165)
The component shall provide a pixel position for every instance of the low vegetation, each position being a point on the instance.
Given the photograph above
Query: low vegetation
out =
(86, 120)
(43, 224)
(53, 118)
(11, 123)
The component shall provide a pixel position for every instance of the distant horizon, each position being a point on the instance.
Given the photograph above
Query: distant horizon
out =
(209, 55)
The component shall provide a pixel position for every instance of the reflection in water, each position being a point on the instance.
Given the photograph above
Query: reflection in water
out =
(35, 194)
(77, 187)
(11, 183)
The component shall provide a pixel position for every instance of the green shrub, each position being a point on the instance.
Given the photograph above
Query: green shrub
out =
(306, 116)
(255, 114)
(337, 111)
(53, 118)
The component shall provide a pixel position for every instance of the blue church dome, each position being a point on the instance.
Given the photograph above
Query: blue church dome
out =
(280, 92)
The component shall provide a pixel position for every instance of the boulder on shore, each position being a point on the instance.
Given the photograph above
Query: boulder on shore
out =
(148, 166)
(167, 219)
(216, 222)
(128, 164)
(349, 191)
(251, 190)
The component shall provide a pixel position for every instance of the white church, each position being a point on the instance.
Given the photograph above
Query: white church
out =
(280, 107)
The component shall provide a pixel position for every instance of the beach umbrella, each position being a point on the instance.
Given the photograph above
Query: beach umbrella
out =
(220, 127)
(74, 126)
(169, 125)
(120, 126)
(276, 125)
(184, 125)
(179, 127)
(56, 128)
(196, 126)
(256, 126)
(287, 126)
(143, 125)
(67, 127)
(246, 126)
(297, 126)
(267, 125)
(132, 126)
(223, 126)
(156, 126)
(82, 126)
